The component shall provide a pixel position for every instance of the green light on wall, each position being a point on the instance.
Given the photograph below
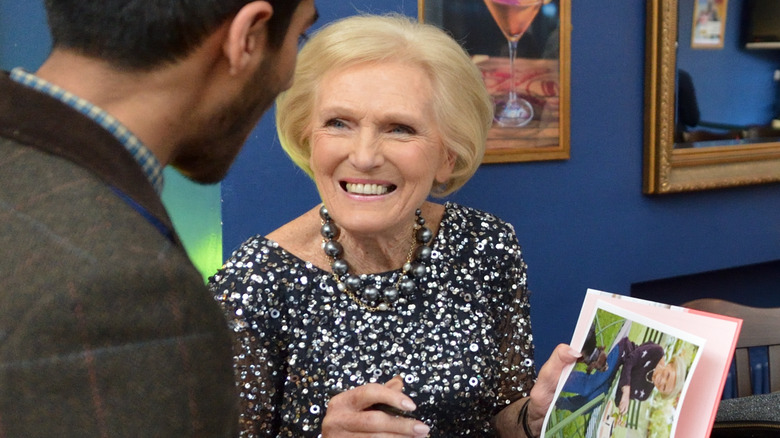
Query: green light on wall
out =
(197, 215)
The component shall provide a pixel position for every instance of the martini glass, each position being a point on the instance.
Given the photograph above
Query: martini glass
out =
(513, 18)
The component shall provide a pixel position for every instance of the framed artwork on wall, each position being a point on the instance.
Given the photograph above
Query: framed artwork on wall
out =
(709, 24)
(671, 166)
(522, 48)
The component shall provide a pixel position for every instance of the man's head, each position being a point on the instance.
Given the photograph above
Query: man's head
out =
(236, 100)
(144, 34)
(190, 78)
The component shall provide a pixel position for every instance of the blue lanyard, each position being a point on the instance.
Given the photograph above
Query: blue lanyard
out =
(161, 227)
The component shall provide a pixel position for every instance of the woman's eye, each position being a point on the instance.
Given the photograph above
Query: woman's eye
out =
(402, 129)
(335, 123)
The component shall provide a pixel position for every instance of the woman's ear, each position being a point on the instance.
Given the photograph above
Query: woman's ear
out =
(247, 35)
(446, 167)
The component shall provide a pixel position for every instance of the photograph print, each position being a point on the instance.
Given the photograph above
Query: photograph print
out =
(630, 381)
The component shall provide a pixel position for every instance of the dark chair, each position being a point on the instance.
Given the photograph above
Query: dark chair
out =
(760, 328)
(688, 117)
(764, 132)
(755, 416)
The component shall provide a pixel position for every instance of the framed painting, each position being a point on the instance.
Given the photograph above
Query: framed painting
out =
(709, 24)
(522, 48)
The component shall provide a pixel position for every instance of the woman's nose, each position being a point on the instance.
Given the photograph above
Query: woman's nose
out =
(366, 152)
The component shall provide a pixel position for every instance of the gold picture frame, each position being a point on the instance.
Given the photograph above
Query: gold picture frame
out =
(670, 169)
(545, 79)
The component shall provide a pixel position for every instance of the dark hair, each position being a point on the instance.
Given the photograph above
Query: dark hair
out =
(143, 34)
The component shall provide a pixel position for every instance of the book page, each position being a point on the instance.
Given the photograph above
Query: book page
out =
(707, 385)
(707, 340)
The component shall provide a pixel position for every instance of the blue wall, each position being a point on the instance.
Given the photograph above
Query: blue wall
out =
(583, 222)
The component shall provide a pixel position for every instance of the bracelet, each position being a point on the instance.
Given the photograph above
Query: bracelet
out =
(522, 418)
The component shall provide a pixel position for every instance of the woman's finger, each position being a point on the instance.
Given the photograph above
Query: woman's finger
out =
(364, 396)
(396, 383)
(359, 411)
(546, 383)
(372, 422)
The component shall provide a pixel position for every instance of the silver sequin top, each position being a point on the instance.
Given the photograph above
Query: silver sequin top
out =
(462, 341)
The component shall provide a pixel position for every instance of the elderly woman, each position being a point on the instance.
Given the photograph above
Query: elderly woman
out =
(378, 312)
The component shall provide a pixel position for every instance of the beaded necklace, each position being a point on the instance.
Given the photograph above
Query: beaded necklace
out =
(370, 297)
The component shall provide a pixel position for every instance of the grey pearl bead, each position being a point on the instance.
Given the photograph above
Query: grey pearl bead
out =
(424, 235)
(390, 294)
(339, 267)
(329, 230)
(423, 253)
(407, 285)
(353, 282)
(324, 215)
(333, 249)
(418, 270)
(371, 293)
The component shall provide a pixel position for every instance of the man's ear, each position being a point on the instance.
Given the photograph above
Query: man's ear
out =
(247, 34)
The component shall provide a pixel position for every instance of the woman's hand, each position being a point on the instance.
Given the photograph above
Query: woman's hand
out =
(544, 389)
(350, 414)
(541, 395)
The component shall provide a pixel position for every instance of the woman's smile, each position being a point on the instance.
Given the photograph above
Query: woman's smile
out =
(367, 188)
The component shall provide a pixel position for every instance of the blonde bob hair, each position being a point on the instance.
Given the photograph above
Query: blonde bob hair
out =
(680, 370)
(463, 108)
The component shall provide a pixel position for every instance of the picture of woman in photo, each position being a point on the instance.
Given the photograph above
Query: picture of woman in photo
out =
(624, 361)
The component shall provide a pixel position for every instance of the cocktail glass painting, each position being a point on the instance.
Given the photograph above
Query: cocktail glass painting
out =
(629, 383)
(521, 48)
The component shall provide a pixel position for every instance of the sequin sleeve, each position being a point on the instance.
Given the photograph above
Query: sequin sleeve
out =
(258, 354)
(516, 340)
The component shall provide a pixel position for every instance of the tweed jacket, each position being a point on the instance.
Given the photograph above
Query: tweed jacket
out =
(106, 327)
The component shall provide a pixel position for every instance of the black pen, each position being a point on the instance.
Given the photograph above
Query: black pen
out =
(392, 411)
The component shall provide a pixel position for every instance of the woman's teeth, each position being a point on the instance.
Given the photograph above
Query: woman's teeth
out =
(366, 189)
